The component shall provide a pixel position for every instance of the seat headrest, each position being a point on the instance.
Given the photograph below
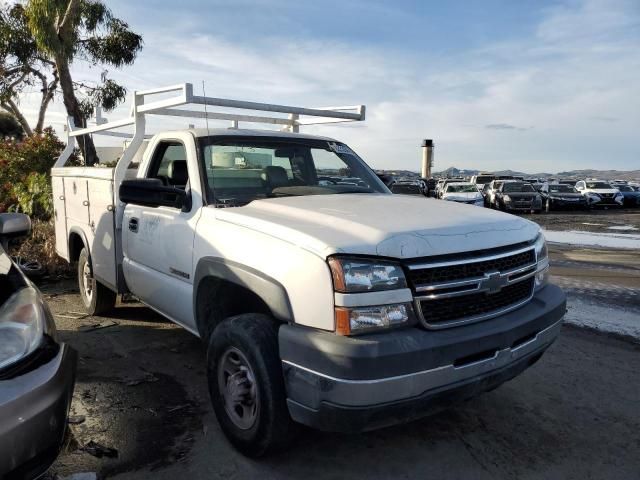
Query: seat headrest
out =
(177, 172)
(275, 176)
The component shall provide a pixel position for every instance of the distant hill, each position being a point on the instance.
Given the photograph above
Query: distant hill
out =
(587, 173)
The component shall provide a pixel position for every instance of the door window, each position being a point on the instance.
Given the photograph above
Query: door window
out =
(170, 165)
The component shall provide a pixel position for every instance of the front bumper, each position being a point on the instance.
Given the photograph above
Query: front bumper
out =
(510, 206)
(351, 384)
(568, 204)
(33, 415)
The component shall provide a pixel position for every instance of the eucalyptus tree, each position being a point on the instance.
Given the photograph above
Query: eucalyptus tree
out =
(85, 30)
(22, 68)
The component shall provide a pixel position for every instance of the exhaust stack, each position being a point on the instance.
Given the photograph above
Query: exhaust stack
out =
(427, 158)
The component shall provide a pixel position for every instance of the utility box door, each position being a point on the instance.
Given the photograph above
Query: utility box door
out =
(60, 217)
(101, 222)
(76, 199)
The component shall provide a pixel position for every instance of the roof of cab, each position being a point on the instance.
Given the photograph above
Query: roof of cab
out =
(240, 132)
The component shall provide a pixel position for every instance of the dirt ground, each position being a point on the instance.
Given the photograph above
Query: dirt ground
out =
(142, 390)
(598, 220)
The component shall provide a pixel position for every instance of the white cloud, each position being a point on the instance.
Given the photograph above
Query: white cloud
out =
(582, 64)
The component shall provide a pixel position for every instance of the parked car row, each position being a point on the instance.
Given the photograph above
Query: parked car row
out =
(531, 194)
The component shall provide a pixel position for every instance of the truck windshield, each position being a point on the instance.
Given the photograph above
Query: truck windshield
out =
(240, 170)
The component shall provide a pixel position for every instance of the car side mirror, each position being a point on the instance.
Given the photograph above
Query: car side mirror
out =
(13, 225)
(150, 192)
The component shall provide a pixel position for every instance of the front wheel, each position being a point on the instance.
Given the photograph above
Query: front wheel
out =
(246, 384)
(97, 298)
(547, 206)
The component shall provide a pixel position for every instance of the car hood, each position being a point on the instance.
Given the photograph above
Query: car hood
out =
(462, 196)
(377, 224)
(602, 190)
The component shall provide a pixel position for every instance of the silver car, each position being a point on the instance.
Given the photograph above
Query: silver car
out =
(37, 373)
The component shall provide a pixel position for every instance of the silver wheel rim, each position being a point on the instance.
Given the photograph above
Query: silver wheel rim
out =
(87, 281)
(237, 386)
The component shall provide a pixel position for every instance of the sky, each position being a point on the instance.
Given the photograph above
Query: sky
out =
(534, 86)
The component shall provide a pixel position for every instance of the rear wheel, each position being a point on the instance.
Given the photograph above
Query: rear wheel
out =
(246, 384)
(97, 298)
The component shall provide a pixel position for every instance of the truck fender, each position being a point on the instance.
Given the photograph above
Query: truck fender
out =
(77, 231)
(270, 291)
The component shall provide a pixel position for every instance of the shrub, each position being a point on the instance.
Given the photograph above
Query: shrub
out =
(33, 196)
(25, 173)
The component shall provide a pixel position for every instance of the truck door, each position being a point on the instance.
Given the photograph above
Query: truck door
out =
(158, 241)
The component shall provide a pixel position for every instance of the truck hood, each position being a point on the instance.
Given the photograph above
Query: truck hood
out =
(396, 226)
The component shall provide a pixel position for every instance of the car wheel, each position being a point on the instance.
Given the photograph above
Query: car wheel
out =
(246, 384)
(97, 298)
(547, 206)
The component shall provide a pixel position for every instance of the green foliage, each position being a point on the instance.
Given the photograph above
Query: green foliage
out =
(9, 127)
(22, 65)
(15, 37)
(24, 173)
(33, 196)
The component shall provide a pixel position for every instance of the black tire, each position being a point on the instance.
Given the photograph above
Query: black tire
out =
(547, 206)
(255, 336)
(97, 298)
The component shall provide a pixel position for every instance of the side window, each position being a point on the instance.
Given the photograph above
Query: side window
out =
(170, 164)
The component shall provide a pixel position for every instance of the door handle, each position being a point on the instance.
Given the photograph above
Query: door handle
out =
(133, 225)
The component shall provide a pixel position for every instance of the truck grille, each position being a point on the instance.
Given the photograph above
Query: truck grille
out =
(454, 292)
(438, 312)
(466, 270)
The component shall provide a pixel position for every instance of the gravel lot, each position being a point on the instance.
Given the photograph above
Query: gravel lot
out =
(142, 390)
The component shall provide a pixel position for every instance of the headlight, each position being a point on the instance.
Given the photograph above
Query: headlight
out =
(542, 256)
(594, 197)
(22, 325)
(506, 198)
(353, 275)
(351, 321)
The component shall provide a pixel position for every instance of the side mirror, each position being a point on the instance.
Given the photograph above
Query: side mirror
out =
(13, 225)
(150, 192)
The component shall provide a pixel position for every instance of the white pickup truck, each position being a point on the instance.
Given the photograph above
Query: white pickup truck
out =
(323, 298)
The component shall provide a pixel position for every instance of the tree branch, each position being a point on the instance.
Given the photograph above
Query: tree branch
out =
(66, 25)
(10, 106)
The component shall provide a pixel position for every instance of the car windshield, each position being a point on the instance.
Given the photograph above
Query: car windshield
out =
(599, 185)
(624, 188)
(461, 188)
(562, 189)
(515, 187)
(242, 169)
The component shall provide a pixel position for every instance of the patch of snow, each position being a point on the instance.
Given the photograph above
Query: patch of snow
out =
(592, 239)
(624, 228)
(602, 318)
(593, 224)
